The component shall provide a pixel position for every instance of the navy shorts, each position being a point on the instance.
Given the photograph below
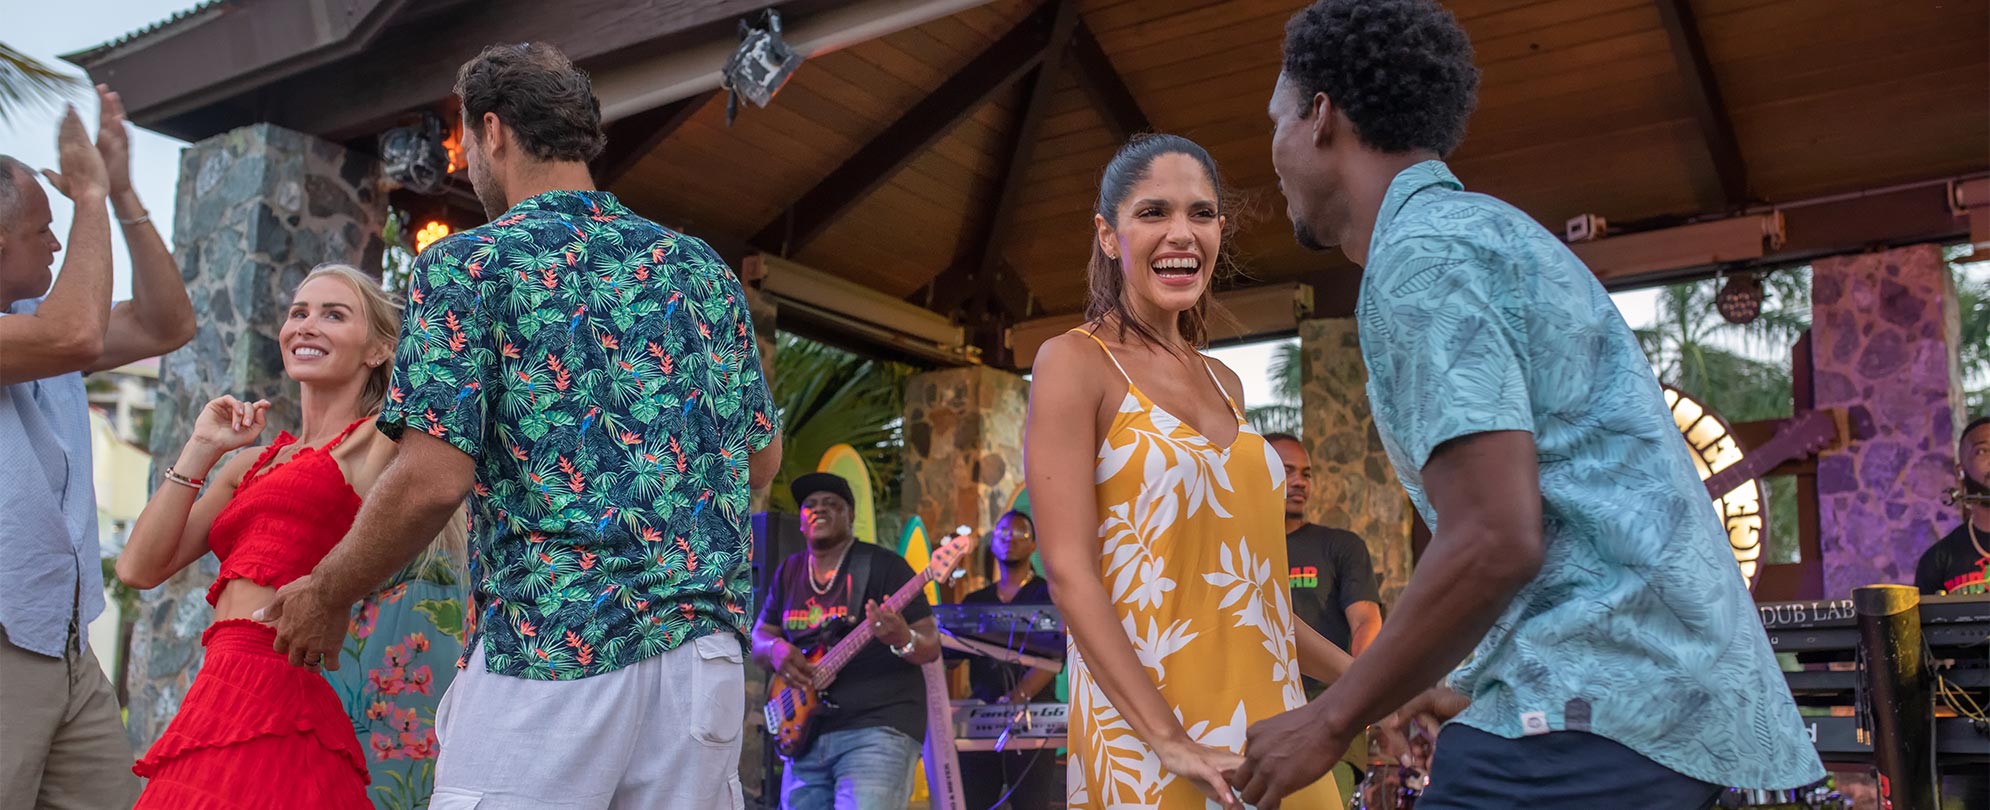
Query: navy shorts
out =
(1562, 770)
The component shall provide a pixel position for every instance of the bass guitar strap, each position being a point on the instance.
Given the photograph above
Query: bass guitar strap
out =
(859, 568)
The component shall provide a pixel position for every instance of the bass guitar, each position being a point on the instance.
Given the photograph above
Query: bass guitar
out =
(794, 710)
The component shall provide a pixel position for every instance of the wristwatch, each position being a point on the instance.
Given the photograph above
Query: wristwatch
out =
(911, 641)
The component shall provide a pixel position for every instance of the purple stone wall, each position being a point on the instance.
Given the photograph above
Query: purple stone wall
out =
(1883, 328)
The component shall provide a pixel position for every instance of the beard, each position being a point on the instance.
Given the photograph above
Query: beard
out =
(488, 193)
(491, 196)
(1303, 234)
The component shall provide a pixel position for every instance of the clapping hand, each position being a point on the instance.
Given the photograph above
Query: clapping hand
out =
(113, 141)
(83, 176)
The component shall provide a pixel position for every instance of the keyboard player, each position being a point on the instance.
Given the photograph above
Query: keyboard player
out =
(987, 775)
(1960, 562)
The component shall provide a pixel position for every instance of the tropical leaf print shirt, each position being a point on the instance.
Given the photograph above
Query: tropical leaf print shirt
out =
(602, 372)
(1638, 627)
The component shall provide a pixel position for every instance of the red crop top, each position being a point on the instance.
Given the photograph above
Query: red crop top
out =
(284, 519)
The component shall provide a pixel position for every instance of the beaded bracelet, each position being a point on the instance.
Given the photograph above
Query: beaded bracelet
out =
(193, 483)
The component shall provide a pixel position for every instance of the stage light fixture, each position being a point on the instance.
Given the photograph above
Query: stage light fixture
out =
(1740, 299)
(429, 232)
(759, 66)
(415, 157)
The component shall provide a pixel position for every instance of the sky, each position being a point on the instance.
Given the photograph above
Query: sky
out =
(29, 135)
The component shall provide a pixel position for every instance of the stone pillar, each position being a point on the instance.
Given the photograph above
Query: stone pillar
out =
(257, 208)
(963, 446)
(1884, 333)
(1354, 486)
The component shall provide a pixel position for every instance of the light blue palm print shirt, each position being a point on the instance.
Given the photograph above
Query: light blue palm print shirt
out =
(1638, 627)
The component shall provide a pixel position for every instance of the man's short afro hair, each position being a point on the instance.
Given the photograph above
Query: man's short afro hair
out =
(1400, 69)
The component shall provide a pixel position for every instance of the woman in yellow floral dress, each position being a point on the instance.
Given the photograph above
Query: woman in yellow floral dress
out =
(1159, 510)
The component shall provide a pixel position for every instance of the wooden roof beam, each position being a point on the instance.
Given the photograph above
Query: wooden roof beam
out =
(1114, 102)
(1703, 94)
(631, 139)
(978, 276)
(993, 70)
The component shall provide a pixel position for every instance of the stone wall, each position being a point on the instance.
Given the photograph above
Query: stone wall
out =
(1883, 332)
(257, 208)
(1354, 486)
(963, 446)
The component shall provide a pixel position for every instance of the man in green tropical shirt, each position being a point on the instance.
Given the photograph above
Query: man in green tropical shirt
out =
(591, 378)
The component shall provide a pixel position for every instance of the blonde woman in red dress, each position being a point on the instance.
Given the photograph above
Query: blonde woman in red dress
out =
(255, 731)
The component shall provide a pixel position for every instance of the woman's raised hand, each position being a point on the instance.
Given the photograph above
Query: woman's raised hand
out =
(228, 423)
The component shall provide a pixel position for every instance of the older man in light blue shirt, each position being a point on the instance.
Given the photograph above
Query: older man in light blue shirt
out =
(63, 744)
(1604, 644)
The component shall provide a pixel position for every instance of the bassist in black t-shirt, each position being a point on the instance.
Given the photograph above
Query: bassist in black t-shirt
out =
(862, 751)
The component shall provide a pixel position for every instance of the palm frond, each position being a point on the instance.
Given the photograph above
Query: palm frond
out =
(827, 396)
(24, 81)
(1277, 418)
(1286, 372)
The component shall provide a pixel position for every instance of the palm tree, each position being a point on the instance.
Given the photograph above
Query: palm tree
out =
(826, 397)
(1281, 415)
(1691, 347)
(1972, 288)
(24, 81)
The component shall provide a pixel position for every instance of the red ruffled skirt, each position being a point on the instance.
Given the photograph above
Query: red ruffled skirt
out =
(255, 732)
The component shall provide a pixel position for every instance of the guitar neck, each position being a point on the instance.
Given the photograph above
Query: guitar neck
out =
(861, 635)
(1743, 471)
(1798, 440)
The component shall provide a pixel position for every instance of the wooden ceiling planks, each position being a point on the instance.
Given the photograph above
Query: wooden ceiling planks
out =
(1854, 139)
(1581, 110)
(770, 156)
(1818, 108)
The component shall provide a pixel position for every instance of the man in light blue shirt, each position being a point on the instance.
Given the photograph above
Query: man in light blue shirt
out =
(63, 744)
(1604, 644)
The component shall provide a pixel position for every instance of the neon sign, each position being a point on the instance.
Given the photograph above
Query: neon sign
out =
(1714, 449)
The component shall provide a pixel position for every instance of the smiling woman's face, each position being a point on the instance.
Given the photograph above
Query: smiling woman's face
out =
(1167, 235)
(325, 338)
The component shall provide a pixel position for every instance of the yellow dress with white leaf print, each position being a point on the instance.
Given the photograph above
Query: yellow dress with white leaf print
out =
(1192, 553)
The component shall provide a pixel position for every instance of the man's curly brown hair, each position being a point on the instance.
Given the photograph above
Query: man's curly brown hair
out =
(539, 93)
(1400, 69)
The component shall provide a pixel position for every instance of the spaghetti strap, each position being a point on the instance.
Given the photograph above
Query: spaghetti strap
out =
(283, 439)
(1109, 354)
(344, 433)
(1234, 411)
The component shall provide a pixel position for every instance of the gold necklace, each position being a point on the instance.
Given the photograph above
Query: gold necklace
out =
(823, 589)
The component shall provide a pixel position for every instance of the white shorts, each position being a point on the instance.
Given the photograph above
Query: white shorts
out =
(663, 733)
